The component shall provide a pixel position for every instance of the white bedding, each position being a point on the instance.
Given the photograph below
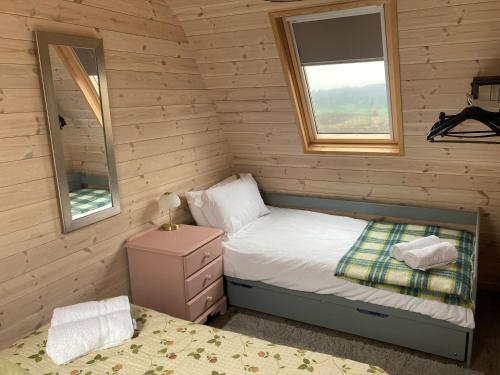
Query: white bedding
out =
(299, 250)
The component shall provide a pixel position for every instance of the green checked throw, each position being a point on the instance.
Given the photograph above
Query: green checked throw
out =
(369, 263)
(85, 200)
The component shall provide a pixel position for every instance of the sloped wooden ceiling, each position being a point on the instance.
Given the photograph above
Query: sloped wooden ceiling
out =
(166, 135)
(443, 44)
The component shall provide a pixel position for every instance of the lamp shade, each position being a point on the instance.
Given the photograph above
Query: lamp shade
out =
(169, 201)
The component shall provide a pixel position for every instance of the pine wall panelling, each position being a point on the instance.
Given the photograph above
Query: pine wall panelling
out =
(82, 136)
(443, 44)
(166, 133)
(168, 136)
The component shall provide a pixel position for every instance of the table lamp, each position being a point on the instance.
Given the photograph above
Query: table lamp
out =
(169, 201)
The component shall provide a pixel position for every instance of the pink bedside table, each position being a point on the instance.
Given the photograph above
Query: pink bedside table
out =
(178, 273)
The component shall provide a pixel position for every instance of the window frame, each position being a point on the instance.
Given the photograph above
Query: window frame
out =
(312, 141)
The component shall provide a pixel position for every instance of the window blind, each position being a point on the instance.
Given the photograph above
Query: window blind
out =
(87, 59)
(340, 39)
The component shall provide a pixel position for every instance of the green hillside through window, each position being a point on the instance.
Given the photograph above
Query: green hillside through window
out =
(351, 110)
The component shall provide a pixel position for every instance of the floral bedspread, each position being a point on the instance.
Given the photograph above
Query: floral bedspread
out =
(170, 346)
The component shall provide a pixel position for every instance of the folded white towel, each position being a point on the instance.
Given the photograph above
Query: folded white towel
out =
(398, 250)
(432, 256)
(87, 310)
(71, 340)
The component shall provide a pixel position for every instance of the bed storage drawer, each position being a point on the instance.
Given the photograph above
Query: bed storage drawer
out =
(391, 325)
(202, 256)
(203, 278)
(205, 299)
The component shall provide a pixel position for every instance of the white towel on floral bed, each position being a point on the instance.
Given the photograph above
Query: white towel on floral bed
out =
(69, 341)
(87, 310)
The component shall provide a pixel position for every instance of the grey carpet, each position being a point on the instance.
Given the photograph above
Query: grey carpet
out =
(393, 360)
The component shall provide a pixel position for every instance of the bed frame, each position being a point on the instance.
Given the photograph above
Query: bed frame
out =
(400, 327)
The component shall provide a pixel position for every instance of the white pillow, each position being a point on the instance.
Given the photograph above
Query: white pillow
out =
(258, 199)
(232, 206)
(195, 202)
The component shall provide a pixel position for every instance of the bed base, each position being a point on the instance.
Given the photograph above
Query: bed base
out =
(386, 324)
(411, 330)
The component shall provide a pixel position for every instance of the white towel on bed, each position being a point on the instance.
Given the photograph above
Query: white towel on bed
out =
(71, 340)
(398, 250)
(432, 256)
(87, 310)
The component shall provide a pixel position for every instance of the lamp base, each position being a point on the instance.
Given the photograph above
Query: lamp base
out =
(170, 227)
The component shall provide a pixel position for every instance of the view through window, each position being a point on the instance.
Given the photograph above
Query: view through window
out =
(349, 98)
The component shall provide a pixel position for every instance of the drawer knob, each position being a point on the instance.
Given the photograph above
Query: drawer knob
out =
(207, 254)
(209, 299)
(208, 276)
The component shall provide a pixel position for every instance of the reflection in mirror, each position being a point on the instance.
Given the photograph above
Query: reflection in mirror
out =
(75, 91)
(76, 88)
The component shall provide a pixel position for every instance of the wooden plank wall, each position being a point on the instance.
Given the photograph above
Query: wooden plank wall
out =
(82, 136)
(443, 44)
(166, 133)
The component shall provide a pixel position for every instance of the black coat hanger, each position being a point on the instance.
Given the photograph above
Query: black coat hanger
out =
(445, 126)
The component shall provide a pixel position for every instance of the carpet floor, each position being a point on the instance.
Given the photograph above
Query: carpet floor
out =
(394, 360)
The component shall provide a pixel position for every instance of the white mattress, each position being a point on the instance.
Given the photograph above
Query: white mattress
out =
(299, 250)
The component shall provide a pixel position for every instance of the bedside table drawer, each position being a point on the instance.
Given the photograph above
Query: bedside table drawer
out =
(203, 278)
(205, 299)
(202, 256)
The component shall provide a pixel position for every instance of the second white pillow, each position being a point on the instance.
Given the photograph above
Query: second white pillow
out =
(232, 206)
(195, 202)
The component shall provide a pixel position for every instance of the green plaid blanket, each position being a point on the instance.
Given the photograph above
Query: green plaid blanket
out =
(369, 263)
(85, 200)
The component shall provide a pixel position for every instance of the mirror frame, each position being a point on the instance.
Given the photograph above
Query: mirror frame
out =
(43, 40)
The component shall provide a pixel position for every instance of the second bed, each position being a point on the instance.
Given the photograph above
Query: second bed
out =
(300, 250)
(284, 264)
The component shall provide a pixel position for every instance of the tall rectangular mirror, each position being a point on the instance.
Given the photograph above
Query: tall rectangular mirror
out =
(77, 104)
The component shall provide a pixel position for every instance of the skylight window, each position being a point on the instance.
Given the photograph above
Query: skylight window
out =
(343, 73)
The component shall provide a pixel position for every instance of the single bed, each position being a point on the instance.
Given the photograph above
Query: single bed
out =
(88, 194)
(284, 264)
(168, 346)
(88, 201)
(299, 250)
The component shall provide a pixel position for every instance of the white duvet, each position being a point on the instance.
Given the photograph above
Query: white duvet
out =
(299, 250)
